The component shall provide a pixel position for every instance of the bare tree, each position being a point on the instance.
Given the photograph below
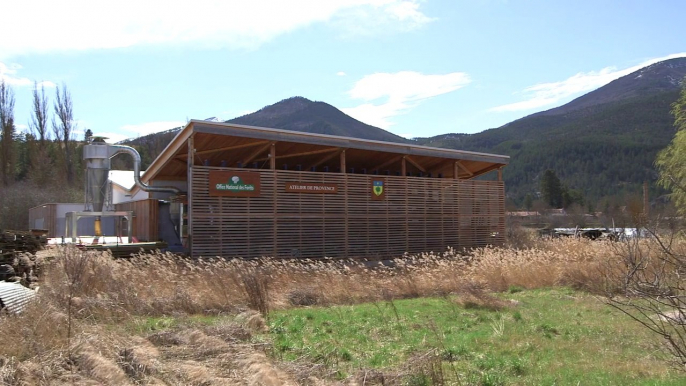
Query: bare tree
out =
(650, 287)
(7, 134)
(39, 119)
(63, 126)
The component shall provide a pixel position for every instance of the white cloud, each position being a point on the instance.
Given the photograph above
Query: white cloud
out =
(545, 94)
(8, 74)
(381, 17)
(400, 92)
(341, 73)
(137, 130)
(72, 25)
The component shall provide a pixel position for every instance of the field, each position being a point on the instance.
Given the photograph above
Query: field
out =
(538, 337)
(493, 316)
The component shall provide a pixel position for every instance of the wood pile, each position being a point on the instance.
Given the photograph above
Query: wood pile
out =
(18, 254)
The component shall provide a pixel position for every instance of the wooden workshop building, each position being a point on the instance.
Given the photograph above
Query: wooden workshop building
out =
(253, 191)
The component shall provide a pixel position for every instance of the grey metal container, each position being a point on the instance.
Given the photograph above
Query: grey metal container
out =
(15, 297)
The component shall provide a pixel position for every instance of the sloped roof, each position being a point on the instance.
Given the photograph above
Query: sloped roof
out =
(233, 145)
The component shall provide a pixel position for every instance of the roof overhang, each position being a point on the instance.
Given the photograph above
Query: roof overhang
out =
(231, 143)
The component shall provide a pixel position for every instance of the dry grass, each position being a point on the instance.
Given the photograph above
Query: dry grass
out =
(96, 291)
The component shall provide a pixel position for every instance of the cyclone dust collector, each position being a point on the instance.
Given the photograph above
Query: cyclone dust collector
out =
(97, 155)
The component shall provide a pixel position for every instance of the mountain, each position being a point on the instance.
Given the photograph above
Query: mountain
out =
(651, 80)
(301, 114)
(602, 144)
(296, 114)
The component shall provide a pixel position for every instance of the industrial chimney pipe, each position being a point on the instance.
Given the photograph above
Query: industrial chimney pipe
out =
(118, 149)
(97, 155)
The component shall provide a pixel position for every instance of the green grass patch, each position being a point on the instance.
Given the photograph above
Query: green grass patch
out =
(552, 336)
(146, 325)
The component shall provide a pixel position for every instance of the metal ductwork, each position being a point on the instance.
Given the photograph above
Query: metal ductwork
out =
(118, 149)
(97, 155)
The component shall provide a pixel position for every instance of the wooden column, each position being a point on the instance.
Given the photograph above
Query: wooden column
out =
(500, 174)
(403, 171)
(343, 170)
(275, 187)
(191, 153)
(456, 170)
(189, 194)
(346, 217)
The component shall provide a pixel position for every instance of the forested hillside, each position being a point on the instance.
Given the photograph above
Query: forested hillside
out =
(608, 151)
(302, 114)
(41, 166)
(602, 144)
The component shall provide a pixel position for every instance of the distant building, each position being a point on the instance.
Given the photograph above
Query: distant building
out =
(252, 191)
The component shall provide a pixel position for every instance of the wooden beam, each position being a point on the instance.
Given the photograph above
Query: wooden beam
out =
(319, 140)
(438, 167)
(272, 162)
(500, 174)
(257, 152)
(415, 164)
(456, 171)
(190, 157)
(328, 157)
(388, 163)
(313, 152)
(464, 168)
(234, 147)
(403, 166)
(343, 166)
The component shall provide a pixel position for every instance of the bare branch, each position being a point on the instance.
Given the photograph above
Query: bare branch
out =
(63, 126)
(39, 119)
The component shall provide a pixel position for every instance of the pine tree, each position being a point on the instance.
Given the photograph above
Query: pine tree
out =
(528, 201)
(551, 189)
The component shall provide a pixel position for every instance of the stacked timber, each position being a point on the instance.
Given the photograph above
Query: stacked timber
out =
(18, 254)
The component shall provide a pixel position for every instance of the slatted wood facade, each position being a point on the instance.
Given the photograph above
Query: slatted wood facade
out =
(145, 216)
(418, 214)
(44, 217)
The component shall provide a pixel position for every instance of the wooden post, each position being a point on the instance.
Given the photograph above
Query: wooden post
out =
(191, 153)
(275, 187)
(500, 174)
(403, 167)
(189, 195)
(456, 170)
(346, 216)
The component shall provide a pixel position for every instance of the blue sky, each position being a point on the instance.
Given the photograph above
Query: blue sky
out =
(413, 67)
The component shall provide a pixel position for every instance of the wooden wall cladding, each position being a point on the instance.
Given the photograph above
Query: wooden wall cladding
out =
(417, 215)
(44, 217)
(145, 226)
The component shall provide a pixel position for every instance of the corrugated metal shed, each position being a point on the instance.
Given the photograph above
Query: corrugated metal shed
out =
(15, 297)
